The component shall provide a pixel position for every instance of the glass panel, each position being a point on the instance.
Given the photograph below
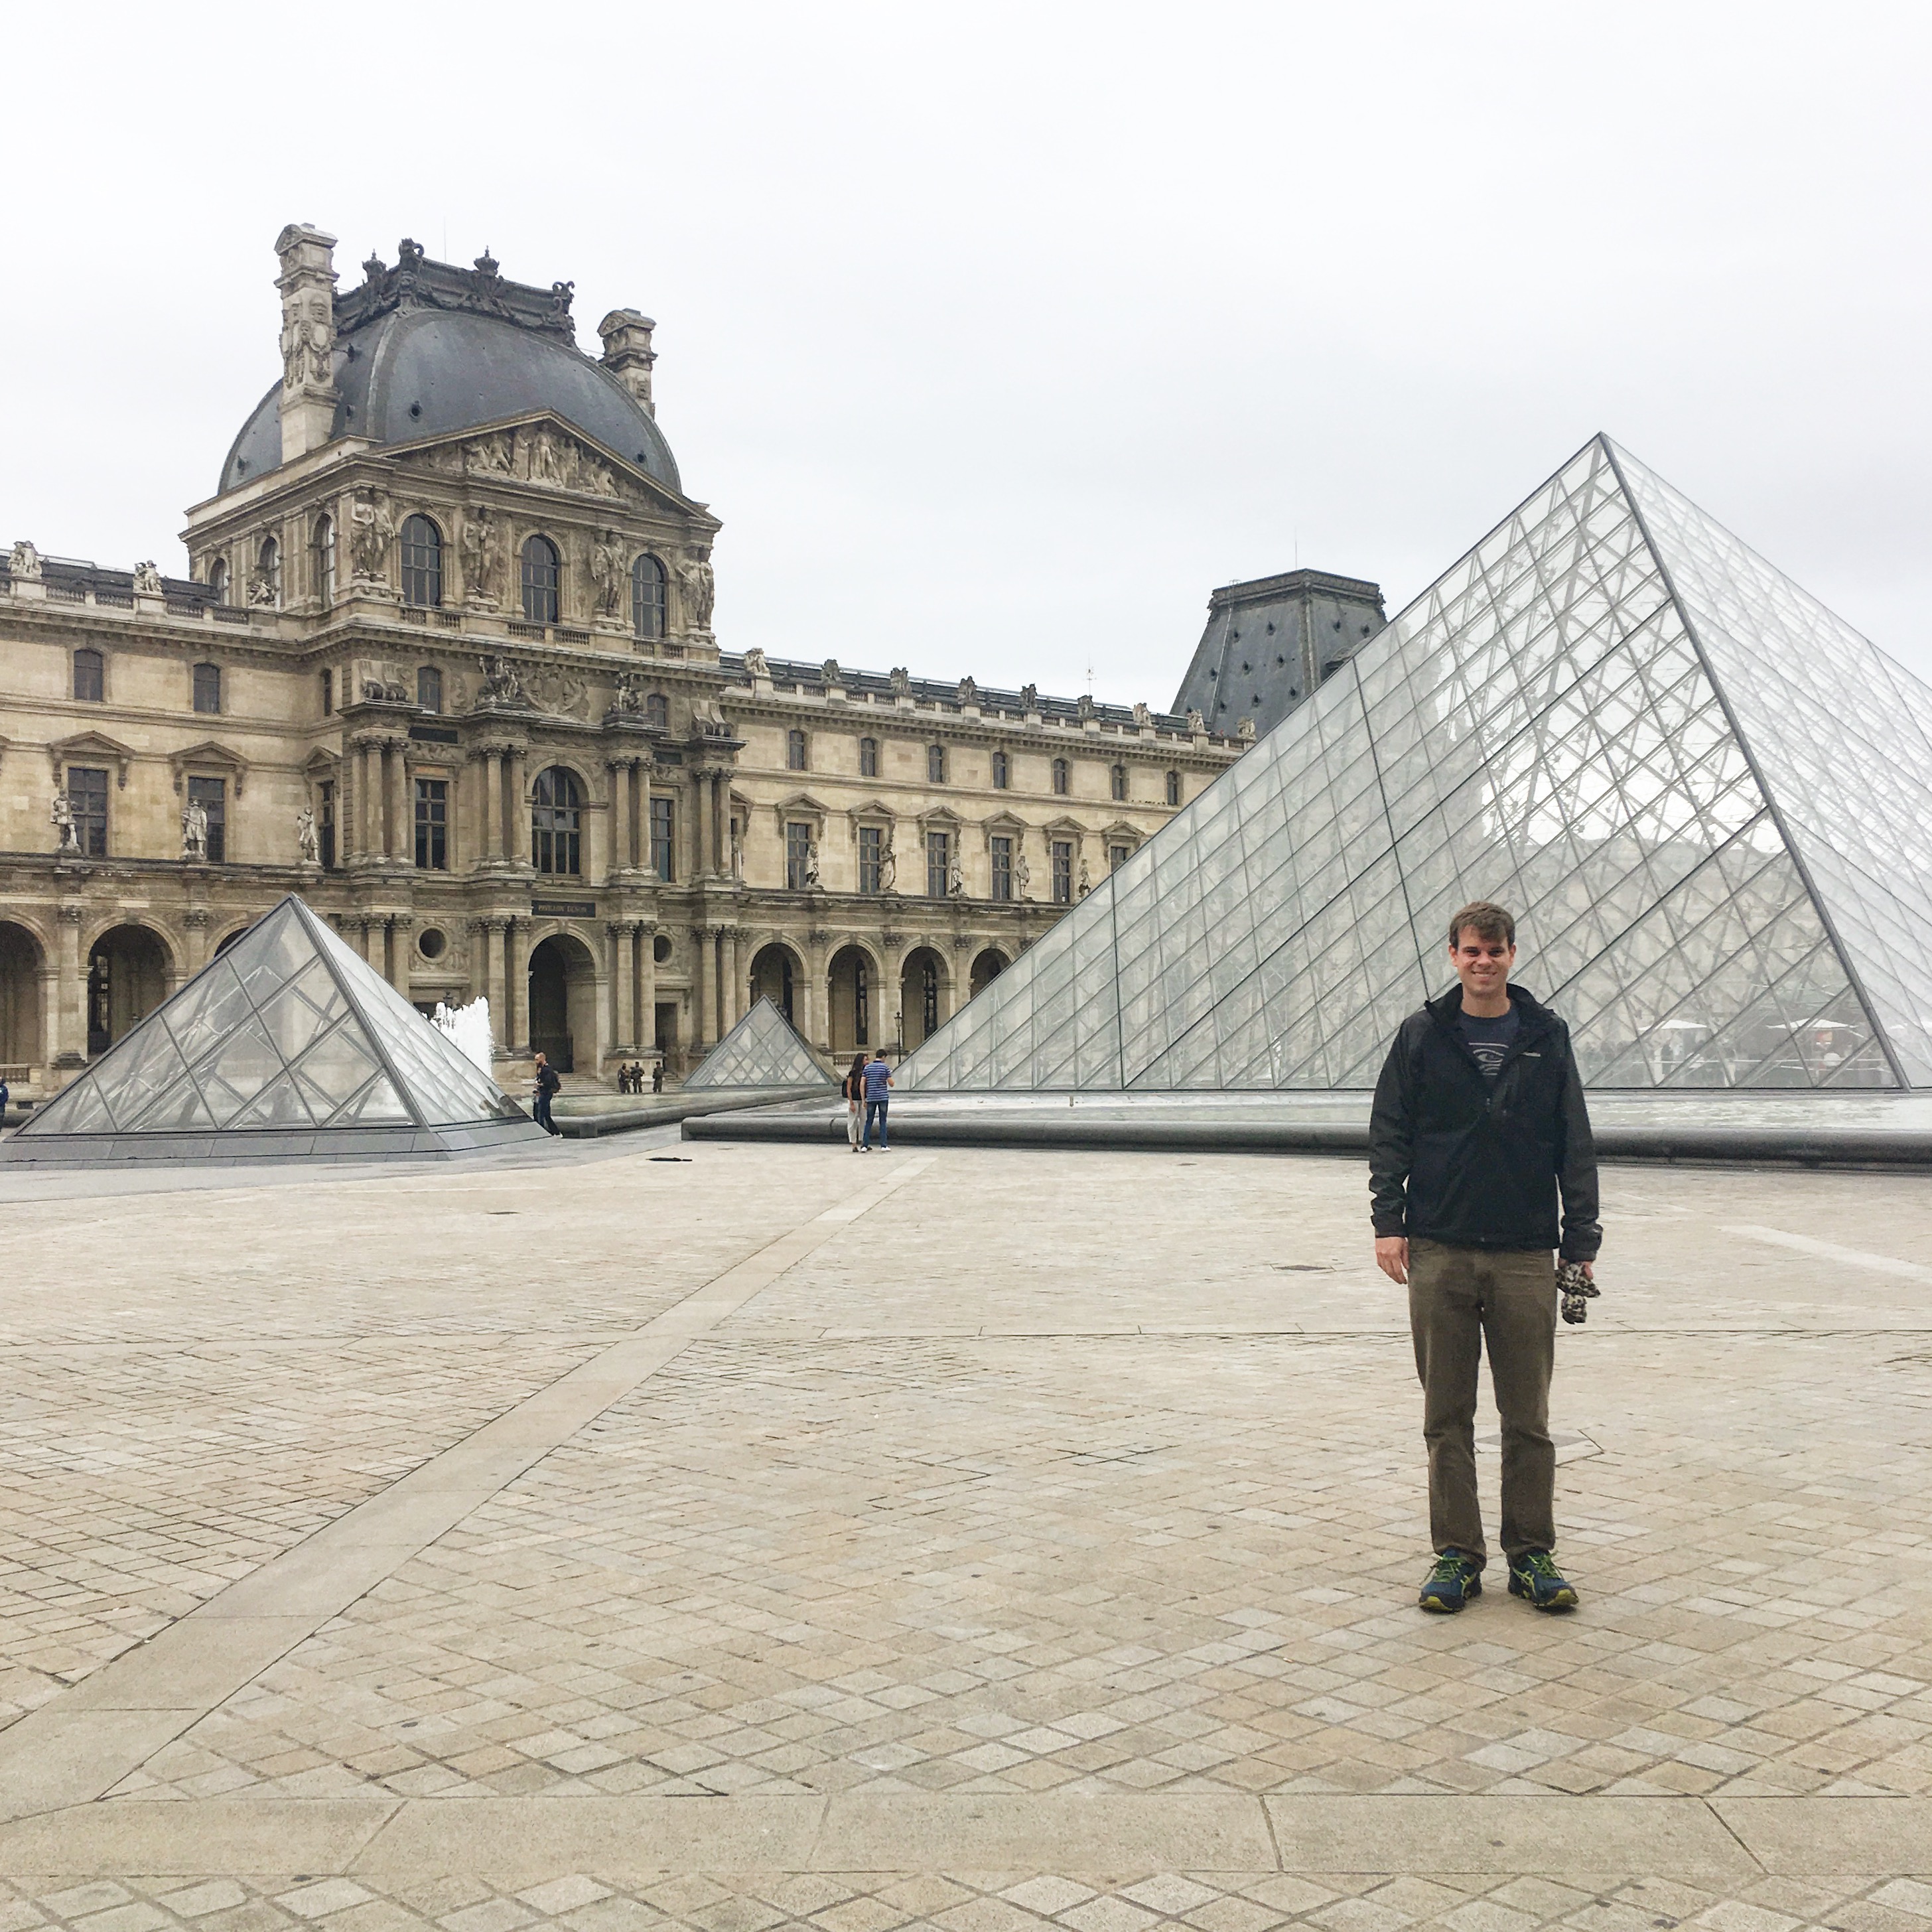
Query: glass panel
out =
(762, 1050)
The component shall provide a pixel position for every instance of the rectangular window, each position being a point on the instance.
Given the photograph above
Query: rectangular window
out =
(207, 687)
(1003, 868)
(1062, 872)
(212, 795)
(871, 852)
(327, 693)
(660, 838)
(90, 683)
(938, 857)
(868, 757)
(325, 830)
(87, 794)
(795, 751)
(1117, 856)
(798, 856)
(433, 824)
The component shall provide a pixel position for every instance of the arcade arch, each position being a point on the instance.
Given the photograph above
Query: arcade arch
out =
(924, 997)
(21, 1019)
(563, 1007)
(777, 974)
(128, 969)
(853, 1019)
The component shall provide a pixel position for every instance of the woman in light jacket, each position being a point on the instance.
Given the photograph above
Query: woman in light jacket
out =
(854, 1090)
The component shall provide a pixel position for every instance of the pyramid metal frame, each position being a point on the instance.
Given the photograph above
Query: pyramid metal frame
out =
(286, 1045)
(1707, 798)
(764, 1049)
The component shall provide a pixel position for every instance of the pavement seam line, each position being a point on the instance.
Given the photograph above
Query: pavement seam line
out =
(1731, 1831)
(36, 1777)
(1831, 1251)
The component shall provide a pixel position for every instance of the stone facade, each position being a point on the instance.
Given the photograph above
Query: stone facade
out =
(462, 691)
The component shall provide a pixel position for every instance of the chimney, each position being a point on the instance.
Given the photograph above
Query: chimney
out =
(627, 353)
(307, 287)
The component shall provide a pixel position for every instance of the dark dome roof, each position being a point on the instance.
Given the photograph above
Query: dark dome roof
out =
(411, 372)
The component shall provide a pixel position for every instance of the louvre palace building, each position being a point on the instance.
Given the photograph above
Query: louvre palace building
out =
(444, 664)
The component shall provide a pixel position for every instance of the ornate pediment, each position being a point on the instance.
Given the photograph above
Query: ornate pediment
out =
(209, 756)
(545, 453)
(91, 747)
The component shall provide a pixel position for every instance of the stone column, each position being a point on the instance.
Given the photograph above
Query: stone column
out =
(357, 818)
(637, 828)
(620, 933)
(402, 930)
(195, 919)
(817, 1001)
(491, 940)
(707, 982)
(731, 1006)
(492, 848)
(50, 1019)
(70, 1041)
(620, 817)
(647, 986)
(517, 986)
(517, 825)
(401, 825)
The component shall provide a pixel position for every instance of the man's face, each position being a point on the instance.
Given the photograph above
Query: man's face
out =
(1482, 965)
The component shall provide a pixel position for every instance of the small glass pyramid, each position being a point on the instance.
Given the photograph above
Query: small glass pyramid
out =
(762, 1050)
(286, 1043)
(1707, 800)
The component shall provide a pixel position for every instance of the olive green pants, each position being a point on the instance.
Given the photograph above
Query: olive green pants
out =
(1460, 1299)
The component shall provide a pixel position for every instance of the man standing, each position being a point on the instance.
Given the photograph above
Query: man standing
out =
(548, 1080)
(1479, 1124)
(878, 1078)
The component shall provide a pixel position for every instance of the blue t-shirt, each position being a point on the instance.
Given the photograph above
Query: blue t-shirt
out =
(1490, 1040)
(877, 1074)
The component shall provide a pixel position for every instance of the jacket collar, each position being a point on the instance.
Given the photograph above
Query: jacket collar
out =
(1447, 1010)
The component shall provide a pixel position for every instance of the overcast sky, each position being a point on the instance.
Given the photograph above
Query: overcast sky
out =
(998, 335)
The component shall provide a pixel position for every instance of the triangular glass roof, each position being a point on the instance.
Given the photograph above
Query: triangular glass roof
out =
(762, 1050)
(1707, 800)
(287, 1029)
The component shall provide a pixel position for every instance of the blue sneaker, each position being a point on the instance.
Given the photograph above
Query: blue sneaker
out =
(1455, 1579)
(1534, 1575)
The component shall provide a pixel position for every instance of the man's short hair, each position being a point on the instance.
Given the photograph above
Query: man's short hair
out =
(1486, 920)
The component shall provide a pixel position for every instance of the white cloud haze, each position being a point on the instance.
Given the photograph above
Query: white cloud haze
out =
(998, 335)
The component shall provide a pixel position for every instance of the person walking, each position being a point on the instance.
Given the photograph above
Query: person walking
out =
(548, 1081)
(878, 1079)
(1479, 1125)
(854, 1091)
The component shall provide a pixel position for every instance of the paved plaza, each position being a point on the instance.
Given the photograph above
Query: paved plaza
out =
(730, 1536)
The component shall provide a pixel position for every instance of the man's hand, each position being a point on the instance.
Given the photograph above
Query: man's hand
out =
(1392, 1257)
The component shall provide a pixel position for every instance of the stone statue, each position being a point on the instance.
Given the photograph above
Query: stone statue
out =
(694, 576)
(1022, 874)
(1245, 731)
(477, 540)
(607, 573)
(262, 593)
(829, 671)
(756, 665)
(147, 580)
(1143, 717)
(888, 869)
(1086, 883)
(194, 833)
(812, 865)
(62, 816)
(1085, 707)
(628, 698)
(546, 466)
(1029, 697)
(737, 848)
(1196, 723)
(955, 880)
(308, 850)
(901, 681)
(501, 684)
(24, 565)
(371, 528)
(969, 692)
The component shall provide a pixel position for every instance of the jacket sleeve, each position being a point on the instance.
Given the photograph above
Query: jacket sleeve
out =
(1576, 1168)
(1392, 1140)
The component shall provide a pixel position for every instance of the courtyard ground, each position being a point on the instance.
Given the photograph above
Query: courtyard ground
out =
(732, 1536)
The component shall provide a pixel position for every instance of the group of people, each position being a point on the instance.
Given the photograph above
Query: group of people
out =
(867, 1088)
(631, 1079)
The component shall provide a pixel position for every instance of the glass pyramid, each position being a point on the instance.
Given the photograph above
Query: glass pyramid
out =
(287, 1031)
(762, 1050)
(1707, 800)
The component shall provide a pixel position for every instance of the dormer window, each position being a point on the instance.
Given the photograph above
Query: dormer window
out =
(218, 579)
(541, 575)
(325, 559)
(647, 598)
(422, 562)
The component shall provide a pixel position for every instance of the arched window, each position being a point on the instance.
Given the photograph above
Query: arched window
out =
(868, 757)
(218, 579)
(541, 576)
(90, 677)
(556, 810)
(1002, 771)
(935, 764)
(269, 567)
(429, 687)
(208, 687)
(657, 711)
(325, 558)
(1173, 788)
(1116, 780)
(422, 562)
(1060, 775)
(647, 597)
(795, 751)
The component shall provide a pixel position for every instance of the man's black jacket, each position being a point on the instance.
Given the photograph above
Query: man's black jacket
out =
(1455, 1157)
